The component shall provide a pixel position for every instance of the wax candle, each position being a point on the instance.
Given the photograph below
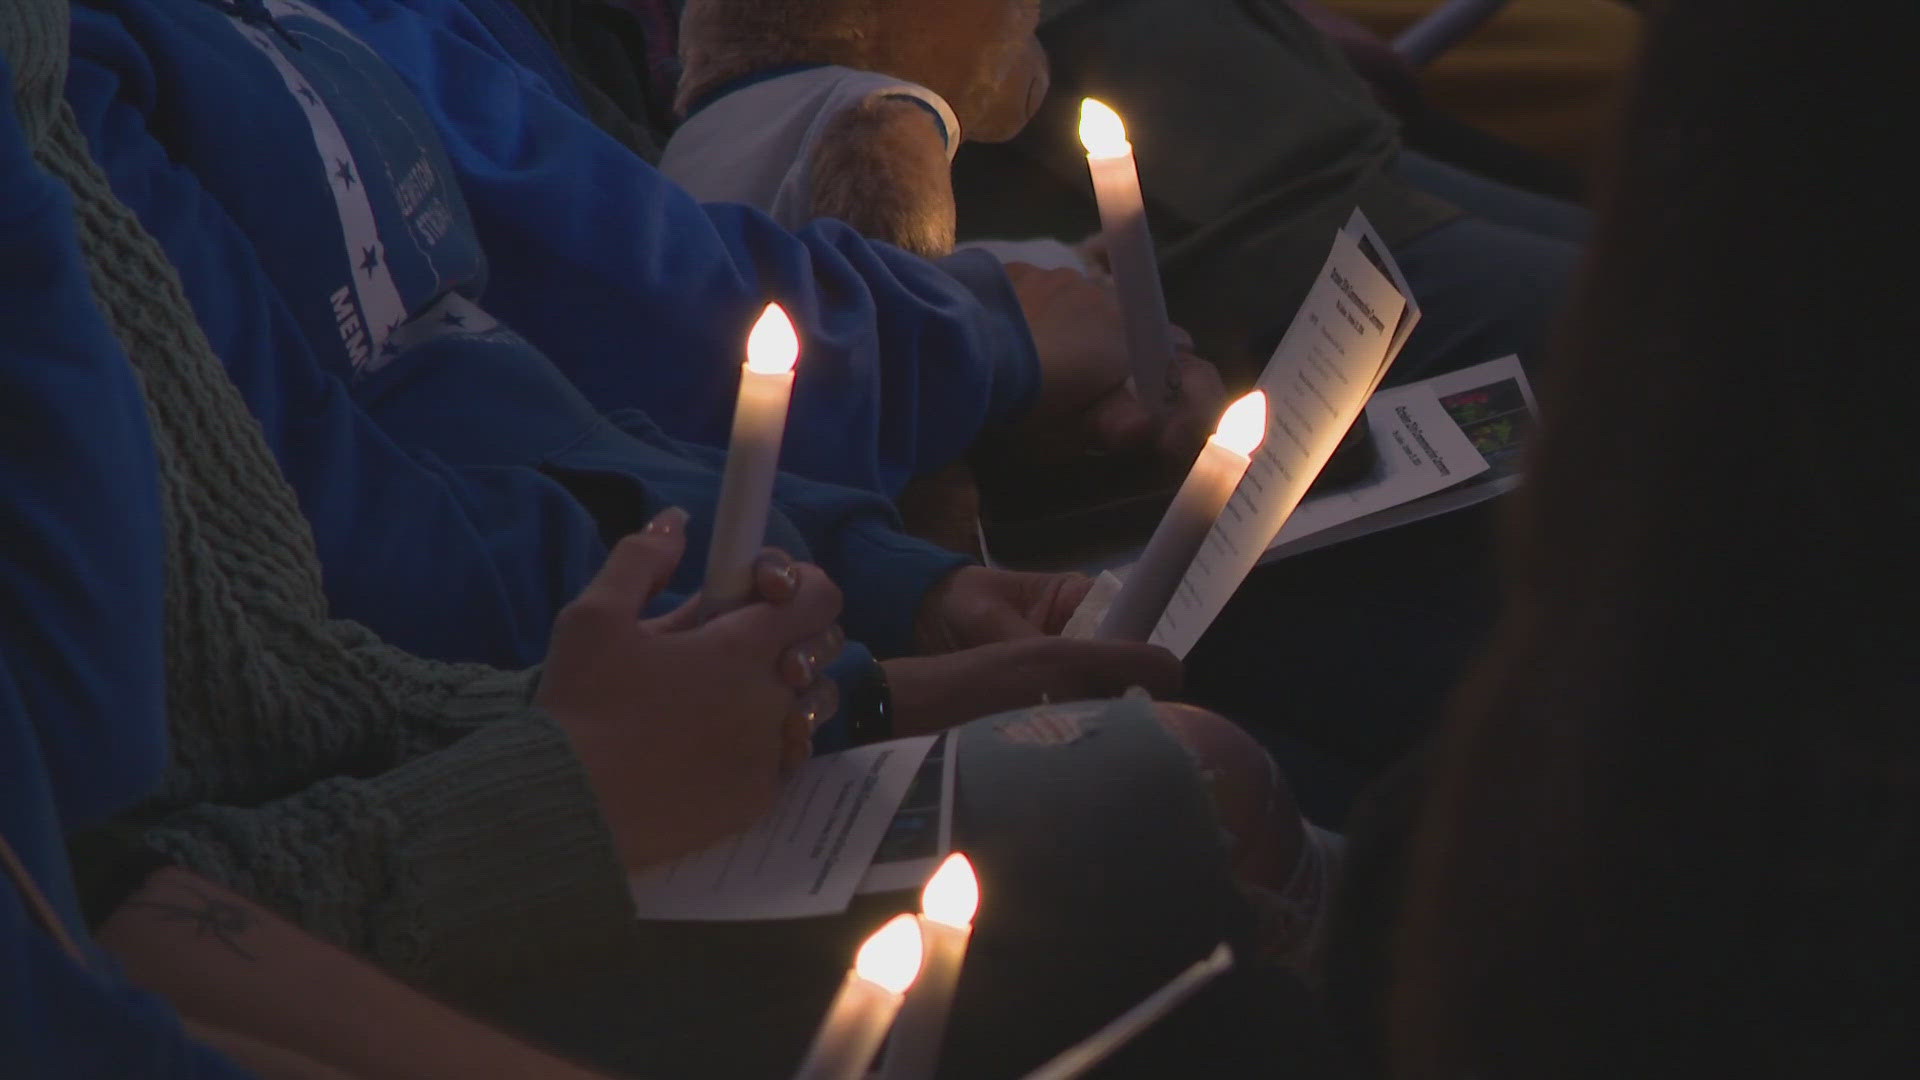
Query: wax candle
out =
(1136, 274)
(947, 905)
(1223, 461)
(753, 457)
(866, 1004)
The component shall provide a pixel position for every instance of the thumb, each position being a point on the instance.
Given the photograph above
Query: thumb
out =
(1107, 668)
(684, 617)
(1070, 590)
(640, 565)
(1001, 622)
(1057, 597)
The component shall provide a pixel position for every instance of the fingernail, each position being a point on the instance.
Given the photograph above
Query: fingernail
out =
(782, 566)
(809, 664)
(825, 703)
(667, 522)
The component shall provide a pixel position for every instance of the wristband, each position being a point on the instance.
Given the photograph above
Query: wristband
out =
(867, 704)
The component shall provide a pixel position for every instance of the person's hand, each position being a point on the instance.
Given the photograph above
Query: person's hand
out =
(931, 693)
(977, 605)
(684, 728)
(1075, 320)
(1195, 411)
(1086, 401)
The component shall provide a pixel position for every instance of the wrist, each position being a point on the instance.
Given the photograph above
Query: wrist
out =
(891, 581)
(931, 635)
(866, 704)
(933, 693)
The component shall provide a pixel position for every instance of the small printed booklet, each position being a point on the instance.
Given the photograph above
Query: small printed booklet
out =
(814, 850)
(1332, 357)
(1437, 445)
(921, 832)
(1442, 444)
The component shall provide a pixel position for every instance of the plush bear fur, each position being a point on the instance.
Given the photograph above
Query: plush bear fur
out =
(882, 168)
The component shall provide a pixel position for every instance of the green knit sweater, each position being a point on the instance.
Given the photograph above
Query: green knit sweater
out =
(425, 815)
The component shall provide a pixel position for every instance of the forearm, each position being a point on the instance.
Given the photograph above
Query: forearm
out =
(853, 534)
(454, 870)
(226, 962)
(644, 296)
(263, 1060)
(886, 577)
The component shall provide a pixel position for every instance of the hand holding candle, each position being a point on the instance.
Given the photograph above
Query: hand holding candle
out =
(866, 1004)
(1136, 274)
(753, 457)
(947, 906)
(1222, 463)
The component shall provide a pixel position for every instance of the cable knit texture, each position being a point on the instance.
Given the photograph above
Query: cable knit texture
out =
(426, 815)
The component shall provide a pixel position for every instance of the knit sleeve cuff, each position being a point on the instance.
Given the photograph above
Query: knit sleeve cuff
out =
(504, 863)
(487, 694)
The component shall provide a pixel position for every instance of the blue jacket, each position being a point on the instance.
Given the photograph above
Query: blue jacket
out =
(81, 703)
(460, 488)
(644, 297)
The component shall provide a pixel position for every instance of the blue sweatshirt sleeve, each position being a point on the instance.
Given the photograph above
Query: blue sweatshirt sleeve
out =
(80, 619)
(854, 535)
(443, 561)
(644, 296)
(81, 542)
(61, 1021)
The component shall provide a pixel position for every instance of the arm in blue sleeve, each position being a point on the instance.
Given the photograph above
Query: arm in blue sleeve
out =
(446, 562)
(56, 1018)
(81, 542)
(853, 535)
(885, 574)
(645, 297)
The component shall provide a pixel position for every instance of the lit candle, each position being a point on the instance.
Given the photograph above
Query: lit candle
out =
(866, 1004)
(1076, 1060)
(947, 905)
(1136, 274)
(753, 457)
(1223, 461)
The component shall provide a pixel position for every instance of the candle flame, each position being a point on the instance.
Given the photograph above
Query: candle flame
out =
(891, 957)
(1102, 132)
(1244, 425)
(772, 347)
(952, 894)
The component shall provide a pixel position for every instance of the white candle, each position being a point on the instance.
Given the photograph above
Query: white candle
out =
(1223, 461)
(866, 1004)
(1077, 1059)
(1136, 273)
(947, 905)
(753, 457)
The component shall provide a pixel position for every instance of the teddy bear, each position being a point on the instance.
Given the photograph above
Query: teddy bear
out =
(850, 109)
(853, 110)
